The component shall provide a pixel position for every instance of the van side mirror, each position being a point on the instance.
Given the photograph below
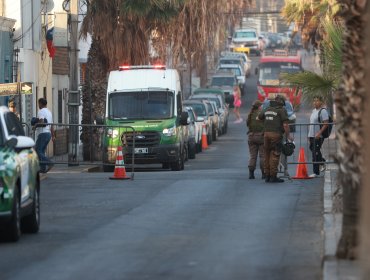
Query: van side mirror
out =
(256, 71)
(184, 118)
(99, 120)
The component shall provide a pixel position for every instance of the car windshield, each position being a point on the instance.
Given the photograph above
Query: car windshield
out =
(199, 109)
(235, 70)
(245, 34)
(215, 99)
(141, 105)
(229, 61)
(223, 81)
(269, 73)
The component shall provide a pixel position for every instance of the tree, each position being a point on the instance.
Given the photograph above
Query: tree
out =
(120, 31)
(326, 83)
(349, 98)
(365, 188)
(307, 15)
(123, 29)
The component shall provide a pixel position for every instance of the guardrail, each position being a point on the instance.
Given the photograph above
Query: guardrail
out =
(86, 144)
(328, 149)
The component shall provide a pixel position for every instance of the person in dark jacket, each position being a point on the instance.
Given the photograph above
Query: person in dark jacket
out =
(255, 139)
(276, 124)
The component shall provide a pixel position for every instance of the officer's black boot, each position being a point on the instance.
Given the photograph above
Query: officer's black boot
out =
(267, 179)
(251, 173)
(275, 179)
(263, 175)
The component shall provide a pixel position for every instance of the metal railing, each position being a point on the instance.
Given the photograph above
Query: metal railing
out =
(301, 140)
(94, 145)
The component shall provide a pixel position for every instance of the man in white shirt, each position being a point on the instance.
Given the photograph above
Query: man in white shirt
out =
(315, 133)
(43, 135)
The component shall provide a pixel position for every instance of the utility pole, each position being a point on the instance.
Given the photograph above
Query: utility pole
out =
(74, 93)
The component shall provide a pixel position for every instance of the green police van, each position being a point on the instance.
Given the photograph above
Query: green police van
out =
(144, 114)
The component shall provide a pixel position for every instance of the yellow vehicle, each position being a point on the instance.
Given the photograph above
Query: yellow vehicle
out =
(245, 50)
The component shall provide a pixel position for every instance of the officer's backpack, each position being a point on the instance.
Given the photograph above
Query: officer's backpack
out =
(327, 131)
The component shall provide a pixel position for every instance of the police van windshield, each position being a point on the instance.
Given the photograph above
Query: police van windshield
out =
(269, 73)
(141, 105)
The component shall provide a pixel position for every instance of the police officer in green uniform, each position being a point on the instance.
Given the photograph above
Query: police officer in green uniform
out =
(276, 124)
(255, 139)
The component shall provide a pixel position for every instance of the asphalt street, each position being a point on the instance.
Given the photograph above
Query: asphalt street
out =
(206, 222)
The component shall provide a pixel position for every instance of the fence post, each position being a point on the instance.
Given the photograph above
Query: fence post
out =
(73, 139)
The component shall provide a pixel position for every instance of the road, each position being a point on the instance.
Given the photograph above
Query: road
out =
(206, 222)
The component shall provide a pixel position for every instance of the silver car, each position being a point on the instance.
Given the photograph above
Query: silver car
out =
(195, 133)
(222, 109)
(203, 116)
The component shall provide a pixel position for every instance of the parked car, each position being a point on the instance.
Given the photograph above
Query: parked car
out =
(212, 111)
(19, 179)
(226, 81)
(236, 60)
(241, 55)
(238, 72)
(203, 116)
(222, 108)
(194, 133)
(212, 90)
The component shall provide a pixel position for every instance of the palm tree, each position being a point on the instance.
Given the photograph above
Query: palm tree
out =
(198, 31)
(325, 84)
(364, 201)
(120, 31)
(349, 98)
(123, 29)
(307, 15)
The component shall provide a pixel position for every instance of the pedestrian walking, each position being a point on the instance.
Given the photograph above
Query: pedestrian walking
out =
(315, 136)
(276, 124)
(255, 139)
(44, 133)
(237, 105)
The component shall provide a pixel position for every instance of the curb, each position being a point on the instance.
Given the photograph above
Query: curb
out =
(334, 269)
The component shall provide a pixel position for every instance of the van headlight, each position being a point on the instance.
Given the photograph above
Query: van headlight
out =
(169, 131)
(113, 133)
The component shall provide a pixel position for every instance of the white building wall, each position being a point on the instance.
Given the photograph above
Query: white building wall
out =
(34, 64)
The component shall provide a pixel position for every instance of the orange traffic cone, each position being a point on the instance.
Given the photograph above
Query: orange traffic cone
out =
(204, 137)
(301, 172)
(119, 169)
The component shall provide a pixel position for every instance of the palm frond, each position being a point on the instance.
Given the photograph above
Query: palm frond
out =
(312, 84)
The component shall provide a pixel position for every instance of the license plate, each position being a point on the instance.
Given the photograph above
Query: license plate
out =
(141, 150)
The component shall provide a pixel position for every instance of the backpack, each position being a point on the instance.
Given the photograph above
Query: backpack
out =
(326, 133)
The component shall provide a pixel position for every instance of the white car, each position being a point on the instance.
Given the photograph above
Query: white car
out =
(243, 56)
(195, 133)
(202, 117)
(238, 72)
(236, 60)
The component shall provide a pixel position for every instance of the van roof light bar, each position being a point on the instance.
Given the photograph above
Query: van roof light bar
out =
(137, 67)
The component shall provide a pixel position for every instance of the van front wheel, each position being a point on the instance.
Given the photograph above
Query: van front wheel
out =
(179, 163)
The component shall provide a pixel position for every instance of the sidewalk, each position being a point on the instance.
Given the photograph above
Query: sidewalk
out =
(65, 168)
(334, 269)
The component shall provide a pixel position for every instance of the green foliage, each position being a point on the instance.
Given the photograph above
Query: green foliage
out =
(153, 9)
(324, 84)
